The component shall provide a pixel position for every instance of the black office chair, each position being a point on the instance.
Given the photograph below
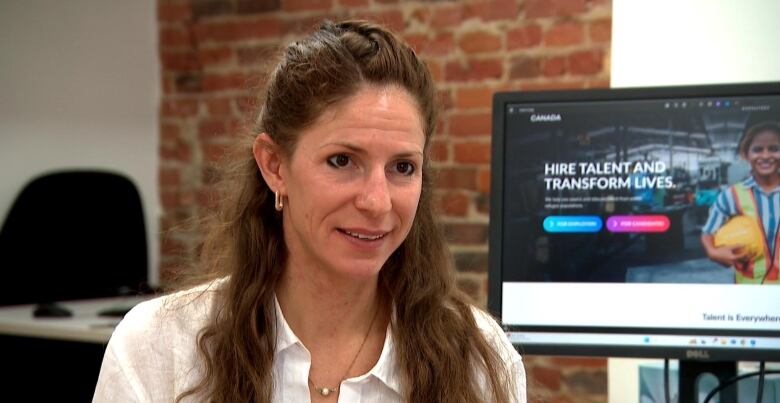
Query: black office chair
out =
(73, 235)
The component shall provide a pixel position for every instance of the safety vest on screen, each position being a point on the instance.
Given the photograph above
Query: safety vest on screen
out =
(762, 270)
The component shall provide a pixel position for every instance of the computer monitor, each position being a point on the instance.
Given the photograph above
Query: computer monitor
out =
(598, 203)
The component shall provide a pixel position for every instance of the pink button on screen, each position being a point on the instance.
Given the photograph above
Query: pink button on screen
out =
(638, 223)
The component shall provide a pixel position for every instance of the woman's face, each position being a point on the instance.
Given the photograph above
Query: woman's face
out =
(763, 154)
(353, 183)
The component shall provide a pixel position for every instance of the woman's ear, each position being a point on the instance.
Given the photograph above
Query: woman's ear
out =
(268, 157)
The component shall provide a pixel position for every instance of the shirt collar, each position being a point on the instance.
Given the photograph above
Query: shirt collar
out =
(750, 183)
(386, 368)
(285, 338)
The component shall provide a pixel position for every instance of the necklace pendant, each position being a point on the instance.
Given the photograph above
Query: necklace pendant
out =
(325, 391)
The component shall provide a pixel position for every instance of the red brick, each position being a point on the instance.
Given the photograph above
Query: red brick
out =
(222, 82)
(475, 262)
(246, 105)
(483, 181)
(175, 37)
(454, 204)
(474, 97)
(179, 108)
(524, 37)
(598, 84)
(214, 56)
(255, 54)
(178, 151)
(470, 124)
(179, 61)
(493, 10)
(447, 17)
(554, 66)
(392, 19)
(479, 42)
(229, 31)
(257, 6)
(353, 3)
(553, 8)
(169, 199)
(600, 31)
(219, 107)
(466, 233)
(189, 81)
(212, 128)
(456, 178)
(168, 83)
(553, 85)
(548, 377)
(306, 5)
(417, 41)
(174, 12)
(439, 151)
(436, 69)
(525, 67)
(589, 62)
(470, 286)
(565, 34)
(213, 152)
(169, 132)
(169, 177)
(482, 203)
(474, 70)
(441, 45)
(444, 97)
(207, 197)
(472, 153)
(422, 15)
(579, 362)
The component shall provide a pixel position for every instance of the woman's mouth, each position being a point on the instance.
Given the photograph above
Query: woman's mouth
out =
(363, 236)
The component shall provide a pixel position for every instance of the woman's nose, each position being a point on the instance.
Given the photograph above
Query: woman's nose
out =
(374, 197)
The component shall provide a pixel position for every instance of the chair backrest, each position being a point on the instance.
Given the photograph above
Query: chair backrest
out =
(73, 235)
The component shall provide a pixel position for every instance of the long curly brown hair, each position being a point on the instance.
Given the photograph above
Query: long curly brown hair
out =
(441, 352)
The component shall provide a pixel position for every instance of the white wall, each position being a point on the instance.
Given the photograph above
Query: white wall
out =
(79, 88)
(678, 42)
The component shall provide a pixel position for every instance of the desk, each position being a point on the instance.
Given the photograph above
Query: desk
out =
(56, 359)
(84, 326)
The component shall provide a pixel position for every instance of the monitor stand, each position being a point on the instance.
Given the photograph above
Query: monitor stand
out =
(691, 370)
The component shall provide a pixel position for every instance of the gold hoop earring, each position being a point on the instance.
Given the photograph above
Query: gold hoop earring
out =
(278, 201)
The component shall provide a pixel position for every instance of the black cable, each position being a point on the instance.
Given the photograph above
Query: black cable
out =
(761, 372)
(728, 382)
(666, 380)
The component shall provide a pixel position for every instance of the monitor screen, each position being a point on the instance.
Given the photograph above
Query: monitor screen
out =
(602, 202)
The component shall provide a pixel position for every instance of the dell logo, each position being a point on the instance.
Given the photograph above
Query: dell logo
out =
(699, 354)
(549, 117)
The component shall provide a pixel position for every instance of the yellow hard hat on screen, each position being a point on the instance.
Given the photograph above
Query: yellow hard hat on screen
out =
(741, 231)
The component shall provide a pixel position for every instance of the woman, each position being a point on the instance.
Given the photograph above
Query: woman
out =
(332, 280)
(757, 197)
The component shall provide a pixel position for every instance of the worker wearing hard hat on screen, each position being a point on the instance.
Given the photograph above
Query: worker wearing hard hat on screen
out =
(742, 229)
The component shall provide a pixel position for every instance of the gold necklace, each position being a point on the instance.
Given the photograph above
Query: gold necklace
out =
(326, 391)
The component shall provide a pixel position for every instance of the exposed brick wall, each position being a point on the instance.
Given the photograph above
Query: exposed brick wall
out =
(212, 55)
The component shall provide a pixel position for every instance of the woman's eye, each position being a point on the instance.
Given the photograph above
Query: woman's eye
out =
(773, 149)
(339, 161)
(404, 168)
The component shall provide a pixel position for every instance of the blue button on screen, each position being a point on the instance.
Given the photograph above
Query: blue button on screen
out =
(573, 223)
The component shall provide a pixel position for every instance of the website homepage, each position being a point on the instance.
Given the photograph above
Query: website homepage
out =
(609, 207)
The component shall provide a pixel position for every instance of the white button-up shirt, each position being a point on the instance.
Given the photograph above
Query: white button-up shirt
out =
(152, 357)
